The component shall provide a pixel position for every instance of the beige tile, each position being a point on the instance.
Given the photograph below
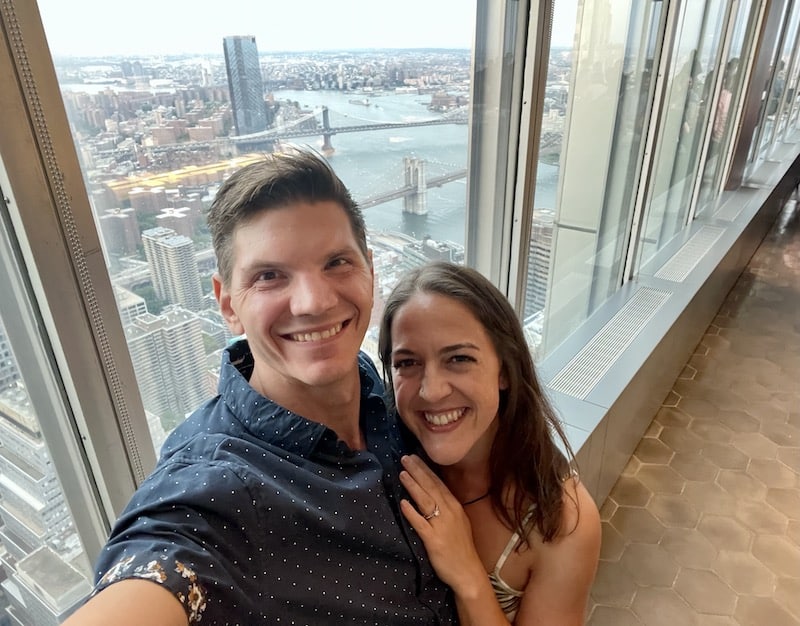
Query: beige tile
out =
(762, 519)
(742, 485)
(778, 554)
(759, 611)
(663, 607)
(637, 524)
(649, 565)
(773, 473)
(787, 501)
(613, 585)
(787, 595)
(689, 547)
(710, 497)
(613, 616)
(652, 450)
(692, 466)
(706, 592)
(725, 456)
(673, 510)
(629, 491)
(660, 478)
(755, 445)
(744, 573)
(612, 543)
(739, 421)
(726, 533)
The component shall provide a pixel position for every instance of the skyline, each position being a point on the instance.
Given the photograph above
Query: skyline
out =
(158, 28)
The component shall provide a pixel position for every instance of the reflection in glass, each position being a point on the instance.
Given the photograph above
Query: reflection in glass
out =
(599, 93)
(45, 568)
(723, 122)
(682, 130)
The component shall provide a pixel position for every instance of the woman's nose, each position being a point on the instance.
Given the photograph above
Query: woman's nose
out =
(433, 387)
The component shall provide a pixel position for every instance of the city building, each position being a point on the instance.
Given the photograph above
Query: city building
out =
(38, 544)
(120, 231)
(246, 84)
(173, 267)
(168, 357)
(9, 374)
(541, 244)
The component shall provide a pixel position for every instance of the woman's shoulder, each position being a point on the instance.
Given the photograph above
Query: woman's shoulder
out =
(580, 518)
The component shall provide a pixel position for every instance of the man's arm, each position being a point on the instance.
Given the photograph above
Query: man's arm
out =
(131, 603)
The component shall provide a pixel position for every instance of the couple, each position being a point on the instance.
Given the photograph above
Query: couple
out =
(291, 497)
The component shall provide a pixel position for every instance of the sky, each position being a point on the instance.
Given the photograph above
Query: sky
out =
(154, 27)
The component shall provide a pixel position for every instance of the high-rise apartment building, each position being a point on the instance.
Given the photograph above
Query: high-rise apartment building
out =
(246, 84)
(539, 253)
(173, 267)
(40, 553)
(9, 374)
(167, 353)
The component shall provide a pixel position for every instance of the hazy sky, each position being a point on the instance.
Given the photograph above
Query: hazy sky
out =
(91, 27)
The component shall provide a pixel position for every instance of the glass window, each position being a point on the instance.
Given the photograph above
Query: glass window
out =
(46, 571)
(599, 91)
(682, 129)
(160, 121)
(726, 110)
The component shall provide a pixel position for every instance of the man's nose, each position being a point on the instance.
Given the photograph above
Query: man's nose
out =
(312, 295)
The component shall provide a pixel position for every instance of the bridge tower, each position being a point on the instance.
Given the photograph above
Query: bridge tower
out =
(327, 146)
(415, 202)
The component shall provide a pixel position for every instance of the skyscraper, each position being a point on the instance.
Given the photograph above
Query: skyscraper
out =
(167, 353)
(173, 267)
(246, 85)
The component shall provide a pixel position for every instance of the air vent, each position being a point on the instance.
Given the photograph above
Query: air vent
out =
(687, 258)
(586, 369)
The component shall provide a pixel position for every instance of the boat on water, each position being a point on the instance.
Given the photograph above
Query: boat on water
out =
(362, 101)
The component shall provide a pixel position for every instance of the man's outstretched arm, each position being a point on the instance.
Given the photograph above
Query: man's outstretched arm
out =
(131, 603)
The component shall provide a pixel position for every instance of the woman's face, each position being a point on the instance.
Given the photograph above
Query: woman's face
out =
(447, 378)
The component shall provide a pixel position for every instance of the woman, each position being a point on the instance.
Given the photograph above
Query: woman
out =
(506, 521)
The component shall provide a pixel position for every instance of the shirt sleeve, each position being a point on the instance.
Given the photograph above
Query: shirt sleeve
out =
(183, 529)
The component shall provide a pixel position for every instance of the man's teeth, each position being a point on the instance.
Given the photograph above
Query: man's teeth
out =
(317, 334)
(441, 419)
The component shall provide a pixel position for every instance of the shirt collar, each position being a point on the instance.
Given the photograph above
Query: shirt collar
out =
(275, 424)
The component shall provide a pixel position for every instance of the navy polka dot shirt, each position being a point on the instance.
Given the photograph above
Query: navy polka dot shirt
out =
(255, 515)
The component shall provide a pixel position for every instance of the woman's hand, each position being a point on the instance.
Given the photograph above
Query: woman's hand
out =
(447, 535)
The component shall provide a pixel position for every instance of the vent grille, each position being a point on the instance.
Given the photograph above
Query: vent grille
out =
(585, 370)
(687, 258)
(730, 212)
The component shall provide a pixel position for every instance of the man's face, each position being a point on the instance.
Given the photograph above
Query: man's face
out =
(301, 290)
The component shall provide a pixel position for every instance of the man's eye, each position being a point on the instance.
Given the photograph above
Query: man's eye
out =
(267, 276)
(338, 262)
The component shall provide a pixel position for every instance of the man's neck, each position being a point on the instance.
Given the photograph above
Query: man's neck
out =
(336, 406)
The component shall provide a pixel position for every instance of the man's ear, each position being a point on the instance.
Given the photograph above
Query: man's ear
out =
(223, 297)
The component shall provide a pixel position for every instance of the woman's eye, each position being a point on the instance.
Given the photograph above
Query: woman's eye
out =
(403, 363)
(462, 358)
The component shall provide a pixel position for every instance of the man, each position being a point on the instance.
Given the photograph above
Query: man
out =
(277, 501)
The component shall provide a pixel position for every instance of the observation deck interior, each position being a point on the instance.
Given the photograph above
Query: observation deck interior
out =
(703, 525)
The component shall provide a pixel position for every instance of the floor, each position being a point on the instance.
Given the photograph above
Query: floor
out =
(703, 526)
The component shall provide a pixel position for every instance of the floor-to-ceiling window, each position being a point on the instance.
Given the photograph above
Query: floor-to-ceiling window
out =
(422, 115)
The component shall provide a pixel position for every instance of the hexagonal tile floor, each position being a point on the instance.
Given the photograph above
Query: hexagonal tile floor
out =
(703, 526)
